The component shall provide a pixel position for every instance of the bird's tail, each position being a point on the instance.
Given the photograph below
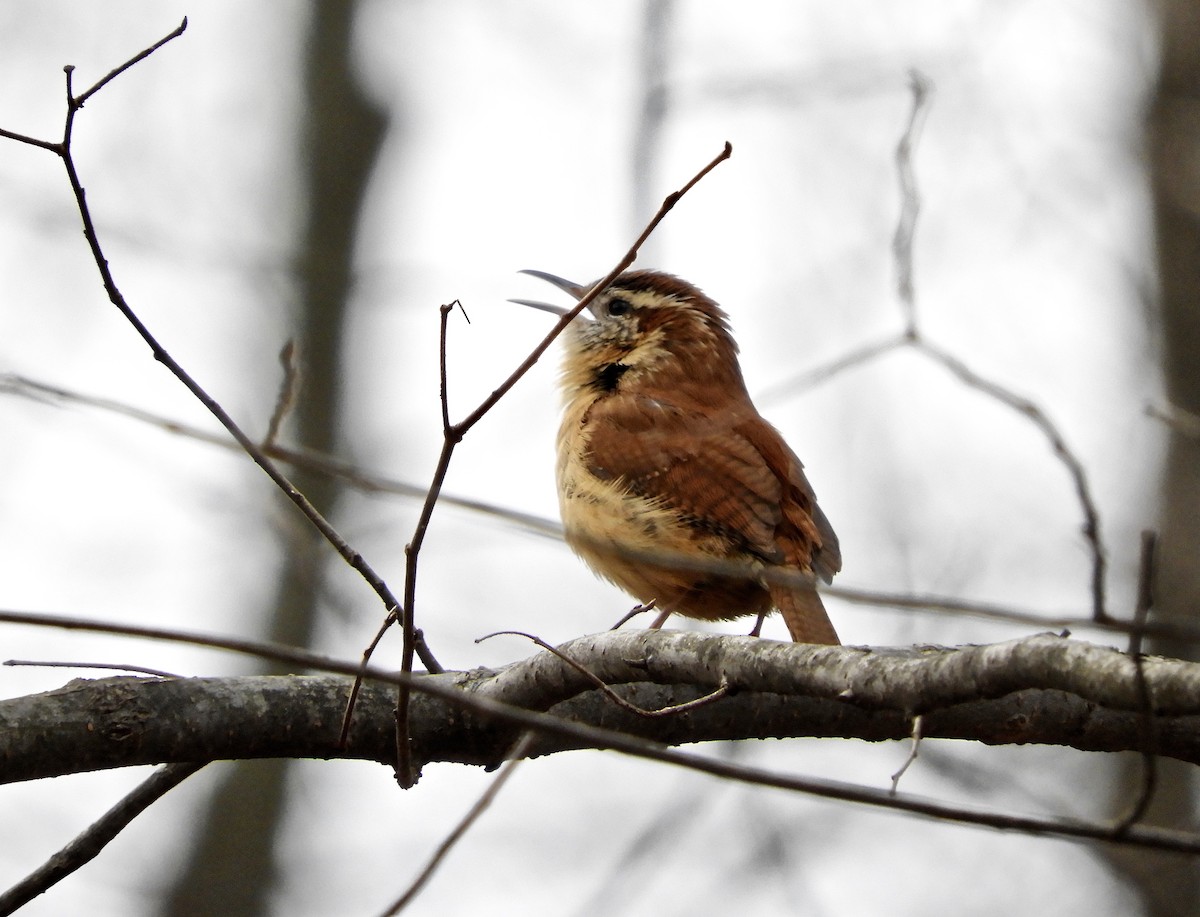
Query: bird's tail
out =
(805, 617)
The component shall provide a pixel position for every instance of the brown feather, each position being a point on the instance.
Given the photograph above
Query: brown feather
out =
(804, 614)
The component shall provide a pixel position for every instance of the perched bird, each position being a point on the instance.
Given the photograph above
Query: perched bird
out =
(670, 483)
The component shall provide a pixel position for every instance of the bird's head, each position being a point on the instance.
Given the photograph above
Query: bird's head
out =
(646, 327)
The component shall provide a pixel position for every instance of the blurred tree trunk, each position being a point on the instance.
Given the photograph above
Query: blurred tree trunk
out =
(231, 868)
(1170, 885)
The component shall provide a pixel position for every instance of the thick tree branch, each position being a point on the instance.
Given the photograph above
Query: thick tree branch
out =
(1041, 689)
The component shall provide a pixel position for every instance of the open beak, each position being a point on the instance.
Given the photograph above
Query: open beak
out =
(567, 286)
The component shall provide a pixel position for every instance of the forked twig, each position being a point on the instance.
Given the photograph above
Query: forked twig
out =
(912, 336)
(405, 775)
(453, 434)
(63, 151)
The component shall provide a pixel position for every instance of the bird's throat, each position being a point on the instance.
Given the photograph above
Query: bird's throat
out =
(608, 377)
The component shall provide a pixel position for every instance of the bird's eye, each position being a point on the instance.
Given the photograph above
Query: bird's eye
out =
(619, 307)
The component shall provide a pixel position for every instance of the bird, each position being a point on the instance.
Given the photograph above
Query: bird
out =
(671, 484)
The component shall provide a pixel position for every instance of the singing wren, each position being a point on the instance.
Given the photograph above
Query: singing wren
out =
(671, 484)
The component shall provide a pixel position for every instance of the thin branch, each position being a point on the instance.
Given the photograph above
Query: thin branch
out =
(260, 649)
(1180, 628)
(1036, 416)
(63, 150)
(918, 725)
(356, 688)
(520, 749)
(88, 845)
(289, 391)
(636, 610)
(902, 252)
(722, 689)
(902, 249)
(405, 774)
(819, 374)
(54, 148)
(630, 256)
(80, 100)
(109, 666)
(297, 456)
(910, 202)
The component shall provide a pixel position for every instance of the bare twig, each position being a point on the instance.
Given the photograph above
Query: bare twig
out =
(629, 257)
(819, 374)
(31, 141)
(450, 438)
(289, 391)
(454, 433)
(902, 249)
(260, 649)
(110, 666)
(721, 690)
(88, 845)
(633, 612)
(918, 724)
(1179, 628)
(137, 58)
(356, 687)
(910, 202)
(515, 757)
(63, 151)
